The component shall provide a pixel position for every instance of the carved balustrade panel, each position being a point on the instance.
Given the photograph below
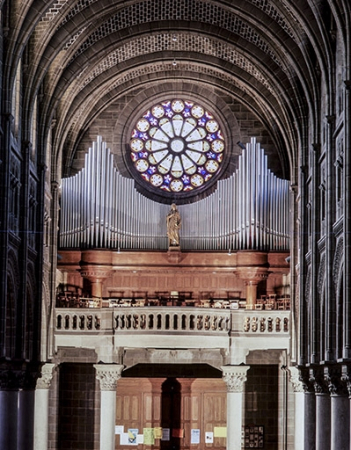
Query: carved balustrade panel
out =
(173, 320)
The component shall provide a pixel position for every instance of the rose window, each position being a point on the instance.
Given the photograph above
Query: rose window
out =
(177, 146)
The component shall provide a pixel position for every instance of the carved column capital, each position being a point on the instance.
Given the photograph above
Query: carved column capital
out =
(346, 378)
(95, 273)
(235, 377)
(47, 372)
(318, 381)
(300, 379)
(108, 375)
(295, 379)
(16, 375)
(252, 276)
(333, 378)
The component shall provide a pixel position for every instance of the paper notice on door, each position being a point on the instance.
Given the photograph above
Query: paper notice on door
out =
(220, 432)
(195, 436)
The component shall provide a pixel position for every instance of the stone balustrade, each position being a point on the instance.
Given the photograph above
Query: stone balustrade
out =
(172, 320)
(71, 320)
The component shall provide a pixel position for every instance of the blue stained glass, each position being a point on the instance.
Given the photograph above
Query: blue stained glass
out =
(202, 122)
(143, 136)
(211, 137)
(185, 179)
(186, 112)
(151, 170)
(201, 170)
(143, 155)
(153, 121)
(211, 155)
(148, 115)
(167, 179)
(169, 112)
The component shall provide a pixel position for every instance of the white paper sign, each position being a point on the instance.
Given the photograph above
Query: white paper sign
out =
(209, 437)
(124, 439)
(119, 429)
(195, 436)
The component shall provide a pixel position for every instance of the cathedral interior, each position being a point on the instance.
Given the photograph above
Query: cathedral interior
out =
(175, 224)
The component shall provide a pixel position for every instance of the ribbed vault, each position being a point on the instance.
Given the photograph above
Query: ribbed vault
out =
(82, 56)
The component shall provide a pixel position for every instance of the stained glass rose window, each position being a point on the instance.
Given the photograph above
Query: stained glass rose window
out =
(177, 146)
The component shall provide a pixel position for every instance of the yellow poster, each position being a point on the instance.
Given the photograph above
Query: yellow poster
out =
(149, 438)
(220, 432)
(158, 432)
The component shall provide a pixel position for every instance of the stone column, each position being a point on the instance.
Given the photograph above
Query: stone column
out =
(8, 419)
(305, 416)
(340, 413)
(17, 383)
(234, 377)
(25, 424)
(108, 375)
(41, 411)
(323, 410)
(346, 380)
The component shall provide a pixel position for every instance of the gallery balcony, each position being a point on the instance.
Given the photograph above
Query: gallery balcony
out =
(177, 327)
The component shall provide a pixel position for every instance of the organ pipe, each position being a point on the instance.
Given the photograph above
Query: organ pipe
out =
(101, 209)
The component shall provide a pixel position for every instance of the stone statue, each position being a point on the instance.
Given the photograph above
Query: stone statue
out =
(173, 225)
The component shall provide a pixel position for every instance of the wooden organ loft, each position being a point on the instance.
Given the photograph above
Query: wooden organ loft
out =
(234, 244)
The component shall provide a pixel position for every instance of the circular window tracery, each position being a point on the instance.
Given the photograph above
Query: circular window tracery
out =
(177, 146)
